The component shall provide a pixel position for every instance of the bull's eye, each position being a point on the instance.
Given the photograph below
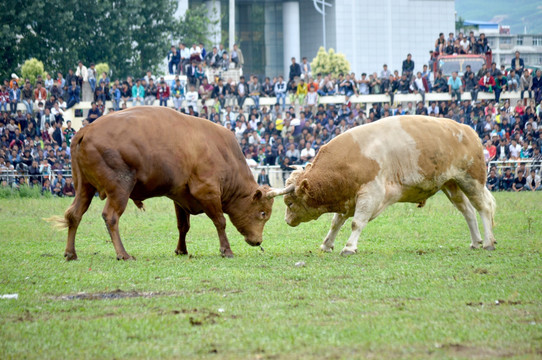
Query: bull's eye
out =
(290, 204)
(262, 214)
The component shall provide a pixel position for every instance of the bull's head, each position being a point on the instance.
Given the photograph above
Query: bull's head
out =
(251, 213)
(295, 197)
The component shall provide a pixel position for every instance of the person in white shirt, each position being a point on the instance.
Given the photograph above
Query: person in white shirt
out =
(308, 153)
(81, 74)
(192, 98)
(417, 86)
(515, 150)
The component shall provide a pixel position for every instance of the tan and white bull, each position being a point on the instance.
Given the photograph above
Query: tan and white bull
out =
(397, 159)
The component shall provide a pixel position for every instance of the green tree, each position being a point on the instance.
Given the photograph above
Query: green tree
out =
(31, 69)
(329, 62)
(102, 68)
(132, 36)
(194, 25)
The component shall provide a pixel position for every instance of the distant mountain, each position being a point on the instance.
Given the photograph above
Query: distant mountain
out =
(516, 13)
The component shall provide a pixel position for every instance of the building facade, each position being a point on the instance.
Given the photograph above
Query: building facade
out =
(369, 33)
(504, 47)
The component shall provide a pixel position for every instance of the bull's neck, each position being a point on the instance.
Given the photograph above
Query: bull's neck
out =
(239, 190)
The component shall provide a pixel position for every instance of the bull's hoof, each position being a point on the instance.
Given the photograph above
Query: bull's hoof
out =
(324, 248)
(474, 246)
(348, 252)
(180, 252)
(70, 256)
(490, 247)
(227, 253)
(125, 257)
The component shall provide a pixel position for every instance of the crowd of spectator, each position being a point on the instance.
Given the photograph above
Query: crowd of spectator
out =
(36, 143)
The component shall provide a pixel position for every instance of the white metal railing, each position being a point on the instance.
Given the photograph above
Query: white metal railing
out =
(501, 165)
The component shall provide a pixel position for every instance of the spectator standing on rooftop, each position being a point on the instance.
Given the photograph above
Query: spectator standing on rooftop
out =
(518, 64)
(81, 73)
(91, 76)
(280, 91)
(295, 70)
(455, 86)
(408, 66)
(237, 56)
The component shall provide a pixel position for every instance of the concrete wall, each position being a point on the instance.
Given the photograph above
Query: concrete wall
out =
(371, 33)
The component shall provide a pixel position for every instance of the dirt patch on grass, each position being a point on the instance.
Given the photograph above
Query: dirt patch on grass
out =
(496, 303)
(476, 352)
(111, 295)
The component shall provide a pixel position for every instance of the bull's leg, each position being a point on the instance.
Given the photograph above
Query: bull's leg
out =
(73, 215)
(213, 209)
(336, 224)
(114, 208)
(462, 203)
(183, 224)
(369, 204)
(484, 202)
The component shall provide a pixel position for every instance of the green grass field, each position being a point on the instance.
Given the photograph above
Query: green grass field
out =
(414, 290)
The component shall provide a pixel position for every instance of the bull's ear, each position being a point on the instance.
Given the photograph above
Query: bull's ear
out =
(257, 195)
(304, 185)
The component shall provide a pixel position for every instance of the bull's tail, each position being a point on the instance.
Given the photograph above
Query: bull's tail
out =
(58, 222)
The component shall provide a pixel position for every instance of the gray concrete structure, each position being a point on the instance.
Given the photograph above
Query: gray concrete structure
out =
(369, 33)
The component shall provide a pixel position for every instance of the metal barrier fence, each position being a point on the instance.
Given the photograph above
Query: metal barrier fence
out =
(277, 176)
(513, 164)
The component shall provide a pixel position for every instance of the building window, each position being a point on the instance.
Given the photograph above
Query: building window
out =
(519, 41)
(506, 41)
(537, 40)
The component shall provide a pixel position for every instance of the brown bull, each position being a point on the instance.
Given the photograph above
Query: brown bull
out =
(398, 159)
(146, 152)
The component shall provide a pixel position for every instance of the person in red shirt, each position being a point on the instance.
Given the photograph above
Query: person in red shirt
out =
(487, 82)
(163, 93)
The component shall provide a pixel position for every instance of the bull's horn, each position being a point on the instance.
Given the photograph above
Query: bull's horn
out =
(278, 192)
